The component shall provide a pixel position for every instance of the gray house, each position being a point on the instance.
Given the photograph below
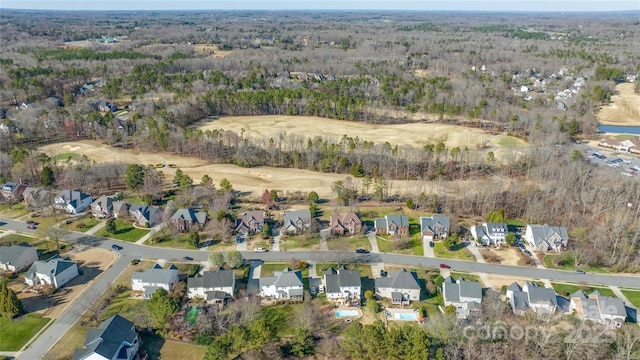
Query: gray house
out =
(185, 220)
(434, 227)
(213, 286)
(150, 280)
(17, 258)
(286, 284)
(465, 295)
(296, 221)
(545, 237)
(144, 214)
(542, 301)
(396, 225)
(342, 284)
(490, 233)
(55, 272)
(401, 286)
(72, 201)
(605, 310)
(115, 338)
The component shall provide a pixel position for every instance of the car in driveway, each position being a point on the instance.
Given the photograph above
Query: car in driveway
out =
(383, 273)
(187, 258)
(116, 247)
(445, 266)
(30, 222)
(362, 251)
(580, 272)
(31, 227)
(527, 252)
(261, 250)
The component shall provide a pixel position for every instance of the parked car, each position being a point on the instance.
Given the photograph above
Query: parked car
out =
(383, 273)
(31, 222)
(32, 227)
(261, 250)
(581, 272)
(445, 266)
(116, 247)
(527, 252)
(432, 244)
(362, 251)
(187, 258)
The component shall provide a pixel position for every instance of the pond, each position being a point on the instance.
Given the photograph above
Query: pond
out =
(619, 129)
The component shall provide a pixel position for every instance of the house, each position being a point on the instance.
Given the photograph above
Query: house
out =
(465, 295)
(185, 220)
(108, 206)
(145, 215)
(490, 233)
(285, 284)
(55, 272)
(401, 286)
(345, 224)
(396, 225)
(17, 258)
(629, 145)
(12, 191)
(605, 310)
(296, 221)
(542, 301)
(545, 237)
(106, 106)
(250, 222)
(434, 227)
(213, 286)
(72, 201)
(37, 198)
(115, 339)
(342, 284)
(150, 280)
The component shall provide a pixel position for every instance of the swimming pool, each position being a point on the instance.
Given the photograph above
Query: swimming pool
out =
(405, 316)
(341, 313)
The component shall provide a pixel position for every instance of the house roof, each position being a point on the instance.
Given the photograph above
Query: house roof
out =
(70, 196)
(547, 234)
(514, 287)
(149, 213)
(107, 339)
(433, 222)
(611, 306)
(401, 279)
(344, 219)
(541, 295)
(38, 195)
(334, 280)
(470, 289)
(50, 267)
(12, 186)
(213, 279)
(155, 275)
(399, 220)
(288, 278)
(520, 300)
(578, 294)
(11, 254)
(215, 295)
(190, 215)
(495, 228)
(105, 202)
(291, 217)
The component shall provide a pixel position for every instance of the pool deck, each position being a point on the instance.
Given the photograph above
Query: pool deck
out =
(359, 315)
(391, 314)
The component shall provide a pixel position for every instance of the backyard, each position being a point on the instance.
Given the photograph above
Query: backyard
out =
(124, 231)
(160, 348)
(21, 331)
(459, 252)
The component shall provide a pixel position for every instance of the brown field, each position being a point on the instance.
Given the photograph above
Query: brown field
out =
(507, 255)
(257, 179)
(413, 134)
(624, 109)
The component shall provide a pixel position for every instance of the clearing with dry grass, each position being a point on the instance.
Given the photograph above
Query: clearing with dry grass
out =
(624, 109)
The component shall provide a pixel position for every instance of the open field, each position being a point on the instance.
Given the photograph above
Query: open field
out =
(624, 109)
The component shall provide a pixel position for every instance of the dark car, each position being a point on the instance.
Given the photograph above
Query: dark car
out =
(31, 222)
(431, 244)
(581, 272)
(383, 273)
(116, 247)
(187, 258)
(362, 251)
(527, 252)
(445, 266)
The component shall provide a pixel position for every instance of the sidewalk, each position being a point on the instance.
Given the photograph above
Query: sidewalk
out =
(153, 230)
(95, 229)
(619, 294)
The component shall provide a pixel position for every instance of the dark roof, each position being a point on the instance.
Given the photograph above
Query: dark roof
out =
(190, 215)
(11, 254)
(213, 279)
(431, 223)
(108, 338)
(401, 279)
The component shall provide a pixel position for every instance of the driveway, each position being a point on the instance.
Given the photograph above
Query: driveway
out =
(241, 243)
(276, 240)
(427, 249)
(371, 235)
(324, 234)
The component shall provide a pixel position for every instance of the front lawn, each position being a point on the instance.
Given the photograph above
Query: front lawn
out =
(124, 231)
(17, 239)
(633, 296)
(179, 242)
(160, 348)
(568, 289)
(82, 225)
(16, 333)
(409, 246)
(299, 242)
(267, 269)
(15, 211)
(365, 270)
(466, 276)
(71, 340)
(350, 243)
(459, 253)
(565, 262)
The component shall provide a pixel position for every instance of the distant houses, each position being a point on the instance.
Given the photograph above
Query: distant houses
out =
(12, 191)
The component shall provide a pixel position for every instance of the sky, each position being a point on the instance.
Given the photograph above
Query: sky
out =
(420, 5)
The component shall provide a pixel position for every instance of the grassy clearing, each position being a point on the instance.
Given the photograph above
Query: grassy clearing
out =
(365, 270)
(17, 239)
(516, 222)
(348, 243)
(14, 211)
(633, 296)
(66, 156)
(159, 348)
(178, 242)
(124, 231)
(82, 225)
(466, 276)
(299, 242)
(568, 289)
(509, 142)
(413, 247)
(124, 306)
(459, 254)
(71, 340)
(21, 331)
(565, 262)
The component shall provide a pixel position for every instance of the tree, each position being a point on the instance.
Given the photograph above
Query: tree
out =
(206, 180)
(450, 309)
(451, 241)
(368, 295)
(47, 178)
(10, 305)
(313, 197)
(266, 231)
(410, 204)
(313, 210)
(301, 343)
(194, 239)
(216, 259)
(576, 155)
(110, 226)
(162, 307)
(134, 177)
(225, 186)
(510, 238)
(274, 195)
(491, 158)
(497, 216)
(234, 259)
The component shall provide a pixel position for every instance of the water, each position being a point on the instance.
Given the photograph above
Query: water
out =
(341, 313)
(619, 129)
(405, 316)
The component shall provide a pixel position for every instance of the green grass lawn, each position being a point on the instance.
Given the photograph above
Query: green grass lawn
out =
(82, 225)
(516, 222)
(299, 242)
(268, 269)
(365, 270)
(350, 243)
(160, 348)
(460, 254)
(15, 211)
(124, 231)
(466, 276)
(16, 333)
(510, 142)
(178, 242)
(17, 239)
(568, 289)
(551, 260)
(430, 304)
(633, 296)
(389, 246)
(66, 156)
(124, 306)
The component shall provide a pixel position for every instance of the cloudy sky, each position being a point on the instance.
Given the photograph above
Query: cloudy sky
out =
(422, 5)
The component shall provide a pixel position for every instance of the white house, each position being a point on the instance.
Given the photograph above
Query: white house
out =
(490, 233)
(286, 284)
(532, 296)
(150, 280)
(17, 258)
(545, 237)
(55, 272)
(213, 286)
(342, 284)
(115, 339)
(72, 201)
(605, 310)
(401, 286)
(465, 295)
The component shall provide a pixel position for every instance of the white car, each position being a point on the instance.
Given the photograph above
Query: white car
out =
(261, 250)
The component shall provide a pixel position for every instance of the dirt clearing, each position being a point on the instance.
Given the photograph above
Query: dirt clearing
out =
(624, 109)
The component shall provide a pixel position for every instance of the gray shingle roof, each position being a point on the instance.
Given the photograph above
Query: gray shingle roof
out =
(433, 222)
(579, 294)
(190, 215)
(51, 267)
(342, 278)
(292, 217)
(612, 306)
(213, 279)
(107, 338)
(548, 234)
(401, 279)
(155, 275)
(400, 220)
(11, 254)
(514, 287)
(470, 289)
(496, 228)
(288, 278)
